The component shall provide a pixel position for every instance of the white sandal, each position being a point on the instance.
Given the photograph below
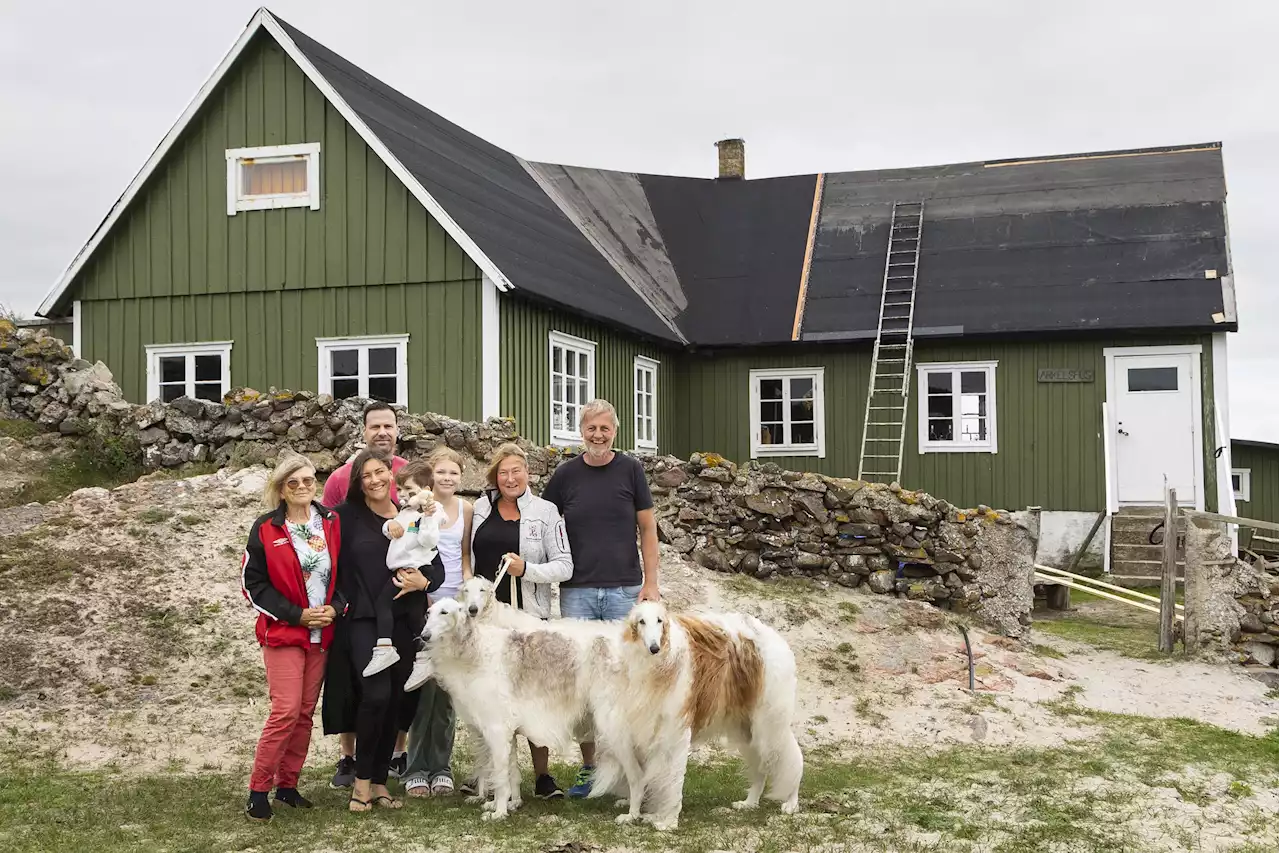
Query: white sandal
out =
(441, 785)
(418, 787)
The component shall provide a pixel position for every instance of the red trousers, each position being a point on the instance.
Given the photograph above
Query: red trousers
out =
(294, 677)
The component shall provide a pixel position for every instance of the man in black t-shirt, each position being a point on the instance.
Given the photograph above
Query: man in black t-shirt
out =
(604, 499)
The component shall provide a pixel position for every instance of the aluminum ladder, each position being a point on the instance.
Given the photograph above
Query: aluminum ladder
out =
(889, 387)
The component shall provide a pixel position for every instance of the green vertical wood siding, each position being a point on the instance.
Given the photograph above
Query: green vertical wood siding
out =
(176, 238)
(274, 336)
(1264, 481)
(526, 370)
(1050, 451)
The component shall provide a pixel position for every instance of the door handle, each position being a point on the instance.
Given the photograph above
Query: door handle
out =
(1121, 431)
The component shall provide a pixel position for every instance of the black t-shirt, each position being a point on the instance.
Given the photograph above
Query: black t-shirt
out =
(599, 505)
(494, 537)
(362, 564)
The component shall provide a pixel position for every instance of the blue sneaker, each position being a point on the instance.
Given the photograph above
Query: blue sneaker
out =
(582, 783)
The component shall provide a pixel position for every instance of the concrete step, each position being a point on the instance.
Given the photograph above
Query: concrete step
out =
(1140, 524)
(1139, 553)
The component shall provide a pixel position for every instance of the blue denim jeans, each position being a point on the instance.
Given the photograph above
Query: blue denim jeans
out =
(603, 604)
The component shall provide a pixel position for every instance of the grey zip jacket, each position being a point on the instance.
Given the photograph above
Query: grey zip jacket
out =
(544, 547)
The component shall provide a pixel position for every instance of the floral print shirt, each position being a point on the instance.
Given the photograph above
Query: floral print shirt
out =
(313, 554)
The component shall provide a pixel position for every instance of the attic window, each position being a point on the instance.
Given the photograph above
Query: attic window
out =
(273, 177)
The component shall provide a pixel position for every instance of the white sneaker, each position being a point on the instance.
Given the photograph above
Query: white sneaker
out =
(383, 657)
(422, 672)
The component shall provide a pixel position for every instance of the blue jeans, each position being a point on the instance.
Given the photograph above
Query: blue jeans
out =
(603, 604)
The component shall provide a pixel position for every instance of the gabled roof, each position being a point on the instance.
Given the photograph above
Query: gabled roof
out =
(1110, 241)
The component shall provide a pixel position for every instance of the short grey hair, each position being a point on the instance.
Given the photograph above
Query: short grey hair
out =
(598, 407)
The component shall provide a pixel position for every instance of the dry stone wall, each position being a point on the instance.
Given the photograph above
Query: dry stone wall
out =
(755, 519)
(1231, 606)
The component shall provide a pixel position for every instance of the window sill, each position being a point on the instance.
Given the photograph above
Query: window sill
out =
(780, 450)
(958, 448)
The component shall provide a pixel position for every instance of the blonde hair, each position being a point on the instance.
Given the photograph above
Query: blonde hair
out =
(598, 407)
(285, 468)
(445, 453)
(503, 453)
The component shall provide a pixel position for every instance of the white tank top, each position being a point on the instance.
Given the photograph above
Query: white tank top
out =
(450, 548)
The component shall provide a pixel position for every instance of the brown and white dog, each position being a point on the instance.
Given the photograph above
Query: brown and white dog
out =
(687, 678)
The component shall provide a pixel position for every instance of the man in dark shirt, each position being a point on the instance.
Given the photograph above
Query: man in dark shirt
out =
(605, 500)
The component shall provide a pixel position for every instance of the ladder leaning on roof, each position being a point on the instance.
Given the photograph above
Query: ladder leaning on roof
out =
(885, 419)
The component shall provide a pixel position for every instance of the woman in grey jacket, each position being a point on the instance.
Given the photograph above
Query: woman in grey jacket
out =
(510, 523)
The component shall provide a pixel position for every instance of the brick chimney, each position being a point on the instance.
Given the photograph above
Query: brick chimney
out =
(733, 159)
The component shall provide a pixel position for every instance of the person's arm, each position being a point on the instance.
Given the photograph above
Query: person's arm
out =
(558, 567)
(335, 488)
(647, 524)
(467, 515)
(256, 584)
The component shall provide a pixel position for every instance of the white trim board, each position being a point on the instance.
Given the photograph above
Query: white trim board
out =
(77, 328)
(490, 351)
(263, 19)
(1109, 355)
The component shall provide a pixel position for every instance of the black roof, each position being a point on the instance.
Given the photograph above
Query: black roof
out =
(1112, 241)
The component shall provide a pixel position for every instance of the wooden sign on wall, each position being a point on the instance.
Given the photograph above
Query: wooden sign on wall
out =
(1063, 374)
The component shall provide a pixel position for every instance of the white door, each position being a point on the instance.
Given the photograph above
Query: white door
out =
(1156, 421)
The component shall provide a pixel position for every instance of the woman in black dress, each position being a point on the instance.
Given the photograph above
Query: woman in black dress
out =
(364, 556)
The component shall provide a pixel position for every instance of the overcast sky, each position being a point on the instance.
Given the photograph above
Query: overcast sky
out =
(89, 89)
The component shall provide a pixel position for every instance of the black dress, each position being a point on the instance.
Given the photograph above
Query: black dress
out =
(494, 537)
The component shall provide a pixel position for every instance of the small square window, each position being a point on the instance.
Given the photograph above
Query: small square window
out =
(957, 407)
(201, 371)
(787, 412)
(274, 176)
(1240, 483)
(375, 368)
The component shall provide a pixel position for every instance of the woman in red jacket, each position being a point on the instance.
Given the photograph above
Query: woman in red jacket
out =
(289, 575)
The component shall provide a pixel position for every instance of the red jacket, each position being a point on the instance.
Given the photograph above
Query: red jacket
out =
(271, 579)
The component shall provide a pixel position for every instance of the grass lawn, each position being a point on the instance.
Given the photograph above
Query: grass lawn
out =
(1083, 797)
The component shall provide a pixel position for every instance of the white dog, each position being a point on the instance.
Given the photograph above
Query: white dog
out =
(505, 682)
(689, 679)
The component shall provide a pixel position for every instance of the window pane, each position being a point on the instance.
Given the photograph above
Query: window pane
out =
(345, 362)
(939, 382)
(211, 391)
(802, 434)
(557, 417)
(1153, 379)
(382, 361)
(582, 391)
(570, 363)
(770, 389)
(570, 393)
(973, 429)
(344, 388)
(973, 382)
(648, 381)
(557, 388)
(274, 178)
(1235, 482)
(940, 430)
(383, 388)
(939, 406)
(771, 433)
(770, 413)
(169, 393)
(173, 368)
(973, 404)
(801, 410)
(557, 360)
(801, 389)
(209, 368)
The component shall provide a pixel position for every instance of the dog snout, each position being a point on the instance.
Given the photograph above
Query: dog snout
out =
(473, 610)
(654, 648)
(426, 636)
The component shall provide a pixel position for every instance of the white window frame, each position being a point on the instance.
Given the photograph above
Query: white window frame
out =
(819, 446)
(157, 351)
(1246, 485)
(922, 407)
(362, 344)
(581, 346)
(650, 366)
(273, 154)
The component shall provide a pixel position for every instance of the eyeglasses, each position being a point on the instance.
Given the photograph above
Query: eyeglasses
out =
(304, 483)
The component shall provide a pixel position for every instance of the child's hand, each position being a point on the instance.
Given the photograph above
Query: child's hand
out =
(429, 509)
(394, 530)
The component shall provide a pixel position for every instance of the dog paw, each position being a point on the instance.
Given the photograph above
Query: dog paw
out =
(623, 803)
(514, 804)
(494, 816)
(489, 805)
(624, 819)
(666, 825)
(745, 805)
(790, 808)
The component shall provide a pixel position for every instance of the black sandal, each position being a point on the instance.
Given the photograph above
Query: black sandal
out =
(393, 803)
(368, 806)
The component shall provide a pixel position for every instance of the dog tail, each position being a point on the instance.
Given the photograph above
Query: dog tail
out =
(608, 777)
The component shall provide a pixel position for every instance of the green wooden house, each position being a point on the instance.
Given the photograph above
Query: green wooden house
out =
(1050, 331)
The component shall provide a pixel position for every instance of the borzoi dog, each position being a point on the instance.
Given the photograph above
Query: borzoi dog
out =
(692, 678)
(505, 682)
